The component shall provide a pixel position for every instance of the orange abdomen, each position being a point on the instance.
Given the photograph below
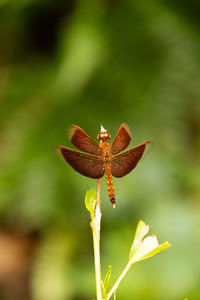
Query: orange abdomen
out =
(110, 183)
(106, 156)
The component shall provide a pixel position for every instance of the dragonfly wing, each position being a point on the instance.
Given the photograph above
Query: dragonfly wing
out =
(122, 139)
(82, 141)
(87, 165)
(124, 163)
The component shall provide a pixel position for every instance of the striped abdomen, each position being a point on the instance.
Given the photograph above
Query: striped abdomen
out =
(106, 157)
(109, 183)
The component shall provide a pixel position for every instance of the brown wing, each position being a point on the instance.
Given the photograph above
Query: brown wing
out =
(82, 141)
(122, 139)
(87, 165)
(124, 163)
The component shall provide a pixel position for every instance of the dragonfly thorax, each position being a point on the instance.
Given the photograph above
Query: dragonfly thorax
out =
(105, 152)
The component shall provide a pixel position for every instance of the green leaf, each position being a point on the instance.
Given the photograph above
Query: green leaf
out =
(103, 290)
(149, 249)
(143, 248)
(105, 283)
(107, 277)
(90, 201)
(141, 230)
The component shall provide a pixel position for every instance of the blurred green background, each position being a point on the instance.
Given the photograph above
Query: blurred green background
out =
(90, 63)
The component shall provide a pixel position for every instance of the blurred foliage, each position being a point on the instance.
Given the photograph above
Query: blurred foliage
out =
(90, 63)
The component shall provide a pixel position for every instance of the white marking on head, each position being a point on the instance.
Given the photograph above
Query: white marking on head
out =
(103, 129)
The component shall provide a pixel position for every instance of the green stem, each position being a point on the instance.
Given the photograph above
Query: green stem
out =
(115, 286)
(96, 243)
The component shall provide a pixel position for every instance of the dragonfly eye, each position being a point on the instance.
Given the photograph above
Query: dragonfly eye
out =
(103, 135)
(107, 136)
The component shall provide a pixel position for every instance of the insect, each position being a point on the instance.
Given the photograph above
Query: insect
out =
(103, 157)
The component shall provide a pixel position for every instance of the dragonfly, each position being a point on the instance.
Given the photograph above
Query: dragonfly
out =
(103, 158)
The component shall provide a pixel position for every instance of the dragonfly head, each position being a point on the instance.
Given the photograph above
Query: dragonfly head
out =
(103, 135)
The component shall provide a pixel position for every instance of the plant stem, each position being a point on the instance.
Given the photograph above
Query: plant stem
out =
(96, 243)
(115, 286)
